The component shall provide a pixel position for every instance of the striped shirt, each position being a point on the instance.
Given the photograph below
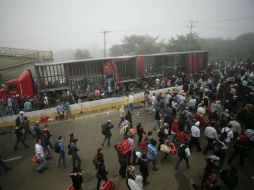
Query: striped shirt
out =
(151, 152)
(250, 134)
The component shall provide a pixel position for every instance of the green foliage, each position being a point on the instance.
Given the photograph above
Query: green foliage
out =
(116, 50)
(140, 44)
(241, 47)
(82, 54)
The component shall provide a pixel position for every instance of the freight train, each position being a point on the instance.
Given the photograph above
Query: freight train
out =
(112, 74)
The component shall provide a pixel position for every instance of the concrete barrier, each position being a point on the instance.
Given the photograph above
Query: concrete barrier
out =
(79, 108)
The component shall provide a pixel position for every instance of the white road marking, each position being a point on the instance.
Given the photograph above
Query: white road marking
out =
(11, 159)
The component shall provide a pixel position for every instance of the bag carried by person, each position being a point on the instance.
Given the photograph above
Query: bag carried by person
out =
(181, 151)
(104, 128)
(124, 147)
(107, 185)
(224, 135)
(36, 159)
(180, 136)
(57, 148)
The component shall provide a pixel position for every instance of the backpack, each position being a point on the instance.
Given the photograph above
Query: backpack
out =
(161, 133)
(224, 135)
(96, 161)
(181, 151)
(104, 129)
(57, 148)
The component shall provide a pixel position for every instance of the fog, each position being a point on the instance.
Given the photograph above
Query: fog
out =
(71, 24)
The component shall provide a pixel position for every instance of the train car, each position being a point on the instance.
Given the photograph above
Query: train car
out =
(116, 73)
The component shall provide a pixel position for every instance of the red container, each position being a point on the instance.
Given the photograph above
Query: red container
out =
(124, 147)
(181, 136)
(108, 185)
(35, 159)
(173, 149)
(143, 146)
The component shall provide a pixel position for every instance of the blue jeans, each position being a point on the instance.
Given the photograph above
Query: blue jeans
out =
(146, 105)
(42, 164)
(62, 157)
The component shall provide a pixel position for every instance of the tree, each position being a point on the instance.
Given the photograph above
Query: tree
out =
(116, 50)
(140, 44)
(184, 43)
(82, 54)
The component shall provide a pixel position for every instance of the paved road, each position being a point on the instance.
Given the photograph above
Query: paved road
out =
(24, 176)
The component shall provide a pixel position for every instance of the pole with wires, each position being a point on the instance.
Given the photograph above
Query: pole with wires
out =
(190, 34)
(105, 42)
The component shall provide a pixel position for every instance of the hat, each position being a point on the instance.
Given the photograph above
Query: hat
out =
(138, 154)
(197, 123)
(131, 168)
(21, 112)
(109, 121)
(213, 158)
(71, 134)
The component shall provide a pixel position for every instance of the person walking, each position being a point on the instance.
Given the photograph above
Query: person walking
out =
(101, 173)
(76, 178)
(140, 132)
(122, 114)
(67, 109)
(76, 161)
(123, 161)
(143, 167)
(20, 119)
(19, 133)
(240, 148)
(152, 153)
(40, 154)
(37, 130)
(105, 130)
(195, 136)
(60, 144)
(183, 153)
(210, 134)
(132, 152)
(27, 128)
(130, 102)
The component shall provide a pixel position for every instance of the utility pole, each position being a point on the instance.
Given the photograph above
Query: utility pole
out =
(190, 34)
(105, 42)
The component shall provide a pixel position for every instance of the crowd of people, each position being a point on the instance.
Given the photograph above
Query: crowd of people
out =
(14, 104)
(217, 106)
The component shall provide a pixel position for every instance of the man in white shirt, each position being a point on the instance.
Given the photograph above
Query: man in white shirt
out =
(40, 154)
(228, 137)
(210, 134)
(195, 135)
(130, 101)
(132, 152)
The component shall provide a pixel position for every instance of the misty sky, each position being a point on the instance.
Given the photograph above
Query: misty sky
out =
(68, 24)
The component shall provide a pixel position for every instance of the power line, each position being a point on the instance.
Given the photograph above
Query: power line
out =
(105, 47)
(228, 20)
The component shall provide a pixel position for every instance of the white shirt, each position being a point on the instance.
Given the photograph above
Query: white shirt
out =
(210, 132)
(229, 134)
(130, 99)
(132, 144)
(153, 100)
(195, 131)
(39, 150)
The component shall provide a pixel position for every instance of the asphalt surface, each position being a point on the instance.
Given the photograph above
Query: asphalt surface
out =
(86, 128)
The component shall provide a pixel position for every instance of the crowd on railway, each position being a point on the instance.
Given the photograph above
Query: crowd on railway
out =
(217, 105)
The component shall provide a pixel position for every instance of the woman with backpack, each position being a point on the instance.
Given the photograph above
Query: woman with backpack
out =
(183, 153)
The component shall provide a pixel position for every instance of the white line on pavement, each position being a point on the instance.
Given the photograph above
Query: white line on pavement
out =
(11, 159)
